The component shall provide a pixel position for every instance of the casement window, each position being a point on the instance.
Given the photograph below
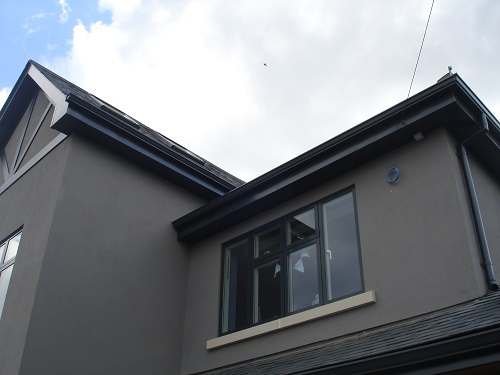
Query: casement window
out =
(298, 262)
(8, 252)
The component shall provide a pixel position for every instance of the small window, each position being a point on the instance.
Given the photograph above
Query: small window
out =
(301, 226)
(8, 252)
(291, 265)
(267, 241)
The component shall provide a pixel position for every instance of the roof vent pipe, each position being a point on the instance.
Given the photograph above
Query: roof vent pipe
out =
(476, 213)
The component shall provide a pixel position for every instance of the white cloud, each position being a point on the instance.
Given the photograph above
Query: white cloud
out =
(65, 10)
(194, 71)
(4, 94)
(38, 16)
(50, 46)
(122, 10)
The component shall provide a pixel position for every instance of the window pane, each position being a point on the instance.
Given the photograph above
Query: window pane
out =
(342, 263)
(12, 247)
(267, 241)
(4, 284)
(300, 226)
(2, 248)
(267, 292)
(303, 286)
(235, 292)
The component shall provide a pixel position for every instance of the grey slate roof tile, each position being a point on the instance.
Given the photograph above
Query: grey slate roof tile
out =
(473, 316)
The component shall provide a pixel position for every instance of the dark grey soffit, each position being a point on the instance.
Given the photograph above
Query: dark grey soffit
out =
(460, 336)
(449, 103)
(112, 128)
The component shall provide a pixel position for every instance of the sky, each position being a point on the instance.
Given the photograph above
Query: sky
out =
(250, 84)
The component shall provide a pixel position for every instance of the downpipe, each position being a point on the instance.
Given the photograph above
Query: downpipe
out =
(476, 212)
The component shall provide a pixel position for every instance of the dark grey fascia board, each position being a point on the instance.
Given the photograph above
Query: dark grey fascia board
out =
(449, 104)
(120, 137)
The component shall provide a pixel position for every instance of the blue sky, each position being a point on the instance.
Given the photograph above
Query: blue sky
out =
(39, 29)
(194, 69)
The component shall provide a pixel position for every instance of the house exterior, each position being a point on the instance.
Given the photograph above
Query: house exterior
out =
(123, 252)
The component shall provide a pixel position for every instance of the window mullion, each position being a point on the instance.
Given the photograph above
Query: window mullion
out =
(250, 278)
(322, 256)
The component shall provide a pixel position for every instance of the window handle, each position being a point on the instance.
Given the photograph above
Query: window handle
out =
(329, 254)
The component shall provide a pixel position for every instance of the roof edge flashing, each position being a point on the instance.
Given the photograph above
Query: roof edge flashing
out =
(133, 132)
(56, 96)
(438, 97)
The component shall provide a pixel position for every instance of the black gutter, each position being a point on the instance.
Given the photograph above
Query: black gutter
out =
(476, 212)
(113, 128)
(315, 166)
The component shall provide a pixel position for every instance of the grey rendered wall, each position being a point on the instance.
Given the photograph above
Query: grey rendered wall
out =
(111, 293)
(29, 203)
(418, 249)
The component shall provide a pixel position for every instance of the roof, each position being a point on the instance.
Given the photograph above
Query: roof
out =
(449, 103)
(468, 327)
(81, 112)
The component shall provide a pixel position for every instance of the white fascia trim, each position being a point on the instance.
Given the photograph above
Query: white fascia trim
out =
(349, 303)
(56, 96)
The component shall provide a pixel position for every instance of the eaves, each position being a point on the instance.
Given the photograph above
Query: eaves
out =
(77, 111)
(118, 135)
(449, 103)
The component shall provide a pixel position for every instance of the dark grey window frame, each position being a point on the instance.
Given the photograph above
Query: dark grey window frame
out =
(316, 239)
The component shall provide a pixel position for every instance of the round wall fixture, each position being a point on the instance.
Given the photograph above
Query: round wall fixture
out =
(393, 175)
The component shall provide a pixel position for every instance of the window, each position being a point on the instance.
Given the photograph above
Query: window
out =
(8, 251)
(300, 261)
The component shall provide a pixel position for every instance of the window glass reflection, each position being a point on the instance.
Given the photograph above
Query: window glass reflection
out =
(4, 284)
(268, 241)
(235, 301)
(12, 247)
(342, 262)
(301, 226)
(267, 291)
(303, 282)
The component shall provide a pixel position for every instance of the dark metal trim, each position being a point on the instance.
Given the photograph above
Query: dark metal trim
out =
(147, 154)
(128, 129)
(356, 146)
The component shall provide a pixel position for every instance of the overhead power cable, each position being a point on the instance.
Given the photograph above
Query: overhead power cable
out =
(416, 64)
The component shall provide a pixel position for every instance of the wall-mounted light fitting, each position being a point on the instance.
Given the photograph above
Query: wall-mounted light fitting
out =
(418, 136)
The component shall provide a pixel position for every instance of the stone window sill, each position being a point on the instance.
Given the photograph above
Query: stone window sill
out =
(346, 304)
